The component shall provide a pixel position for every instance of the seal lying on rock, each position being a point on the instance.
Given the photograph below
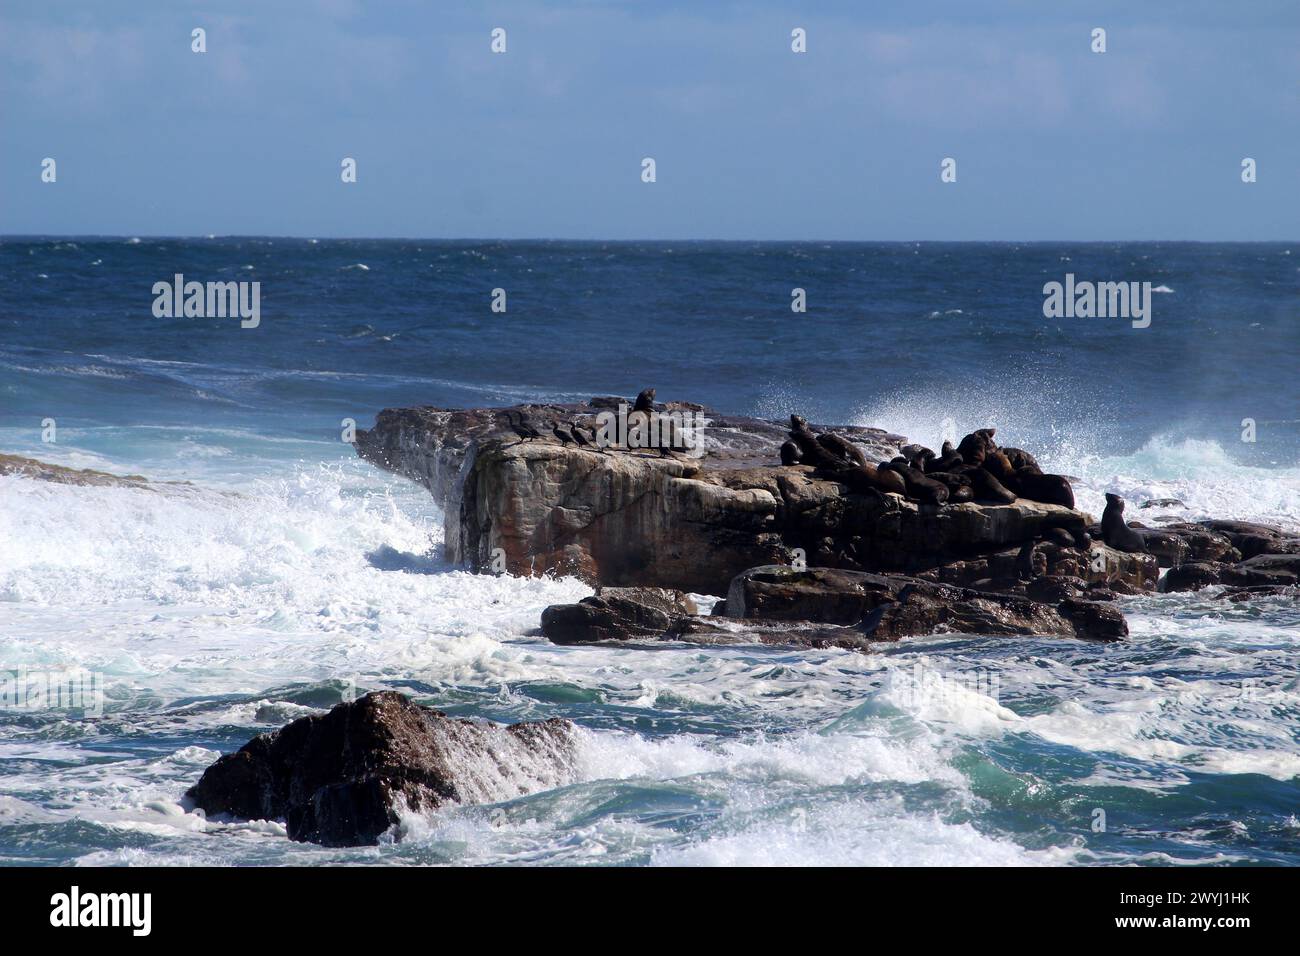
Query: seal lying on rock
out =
(919, 487)
(1115, 532)
(842, 447)
(1031, 483)
(987, 487)
(870, 478)
(837, 458)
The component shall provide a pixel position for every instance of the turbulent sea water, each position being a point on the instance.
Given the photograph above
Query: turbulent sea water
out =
(286, 572)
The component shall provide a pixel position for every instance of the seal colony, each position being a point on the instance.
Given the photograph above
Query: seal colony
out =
(977, 470)
(976, 538)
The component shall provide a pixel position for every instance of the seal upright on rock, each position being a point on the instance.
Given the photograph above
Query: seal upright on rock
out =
(1115, 532)
(811, 451)
(948, 460)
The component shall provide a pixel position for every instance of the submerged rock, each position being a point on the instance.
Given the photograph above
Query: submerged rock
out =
(341, 778)
(61, 475)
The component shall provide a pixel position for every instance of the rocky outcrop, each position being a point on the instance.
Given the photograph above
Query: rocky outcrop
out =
(531, 490)
(61, 475)
(904, 540)
(827, 607)
(889, 607)
(341, 778)
(1264, 570)
(1252, 539)
(616, 614)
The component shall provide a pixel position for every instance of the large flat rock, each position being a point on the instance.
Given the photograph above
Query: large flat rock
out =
(519, 495)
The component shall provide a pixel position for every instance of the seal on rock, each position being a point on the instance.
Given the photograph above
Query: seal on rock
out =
(999, 466)
(790, 453)
(1020, 458)
(840, 446)
(868, 477)
(1115, 532)
(919, 487)
(1036, 486)
(645, 401)
(987, 487)
(811, 451)
(948, 460)
(976, 445)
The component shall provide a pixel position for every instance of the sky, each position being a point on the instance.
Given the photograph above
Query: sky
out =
(750, 140)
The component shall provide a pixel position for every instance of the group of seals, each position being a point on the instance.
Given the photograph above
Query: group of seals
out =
(976, 470)
(837, 457)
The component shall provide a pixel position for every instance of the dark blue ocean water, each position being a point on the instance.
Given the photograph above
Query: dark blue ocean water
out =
(931, 323)
(287, 573)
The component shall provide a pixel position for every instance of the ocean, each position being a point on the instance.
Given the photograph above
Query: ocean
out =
(281, 574)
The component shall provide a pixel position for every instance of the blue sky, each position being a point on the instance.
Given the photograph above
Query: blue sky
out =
(751, 140)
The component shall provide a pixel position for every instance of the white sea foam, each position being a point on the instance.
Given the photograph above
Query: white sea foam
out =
(205, 600)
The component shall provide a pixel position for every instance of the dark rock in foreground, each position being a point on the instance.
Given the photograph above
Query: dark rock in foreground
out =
(340, 778)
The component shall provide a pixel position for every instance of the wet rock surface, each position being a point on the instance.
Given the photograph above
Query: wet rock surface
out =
(901, 540)
(342, 778)
(829, 607)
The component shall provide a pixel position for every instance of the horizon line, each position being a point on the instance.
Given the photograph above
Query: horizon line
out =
(209, 237)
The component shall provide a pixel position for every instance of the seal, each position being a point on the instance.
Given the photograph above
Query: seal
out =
(1036, 486)
(948, 459)
(987, 487)
(789, 453)
(1060, 537)
(999, 466)
(1020, 458)
(976, 445)
(959, 486)
(1115, 532)
(868, 477)
(841, 447)
(919, 487)
(811, 451)
(1025, 562)
(645, 401)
